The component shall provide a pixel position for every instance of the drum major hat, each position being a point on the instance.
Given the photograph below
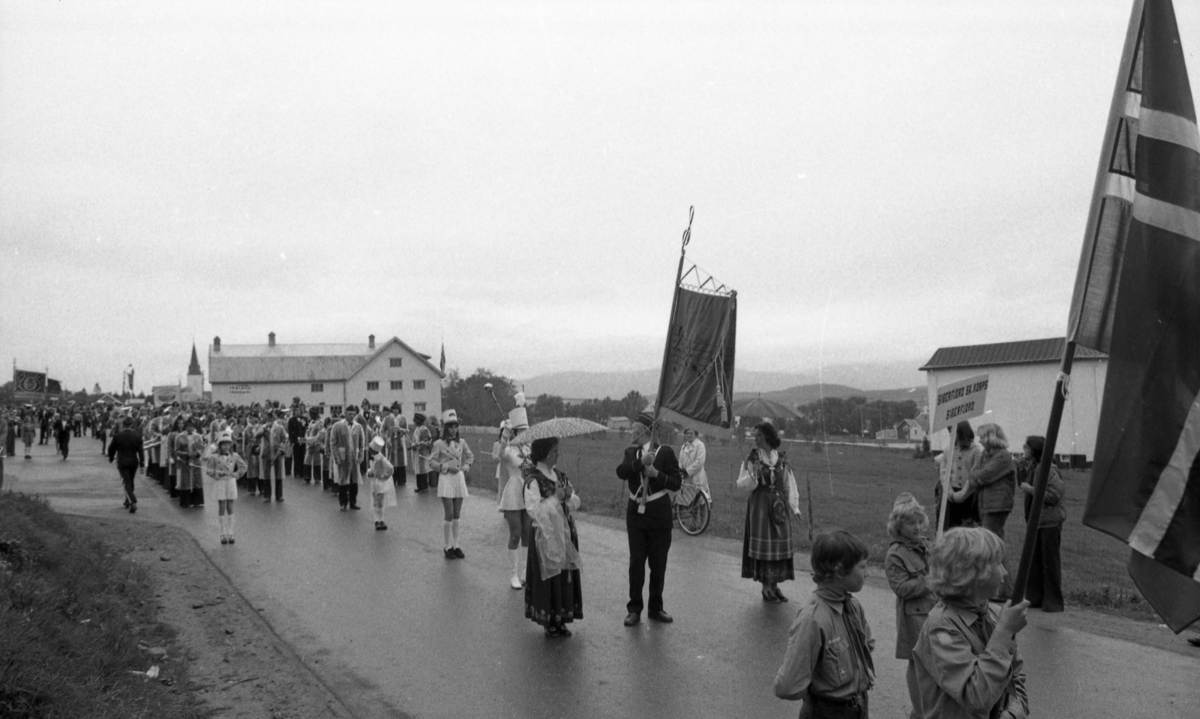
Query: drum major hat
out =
(450, 417)
(377, 443)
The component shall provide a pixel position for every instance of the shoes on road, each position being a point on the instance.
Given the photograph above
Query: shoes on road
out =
(127, 504)
(632, 619)
(343, 508)
(355, 507)
(458, 554)
(769, 596)
(660, 616)
(449, 552)
(515, 582)
(779, 594)
(231, 539)
(279, 499)
(563, 631)
(224, 540)
(133, 508)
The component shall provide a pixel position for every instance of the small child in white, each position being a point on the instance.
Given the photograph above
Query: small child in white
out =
(225, 466)
(383, 491)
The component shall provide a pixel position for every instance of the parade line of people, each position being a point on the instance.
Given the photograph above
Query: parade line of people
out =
(955, 627)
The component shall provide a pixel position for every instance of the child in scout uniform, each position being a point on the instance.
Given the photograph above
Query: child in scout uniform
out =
(828, 662)
(225, 466)
(966, 659)
(907, 569)
(379, 472)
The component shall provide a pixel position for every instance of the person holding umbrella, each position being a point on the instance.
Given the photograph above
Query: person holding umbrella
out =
(452, 458)
(553, 594)
(649, 468)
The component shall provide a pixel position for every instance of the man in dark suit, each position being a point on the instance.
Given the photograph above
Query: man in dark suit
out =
(650, 469)
(297, 426)
(126, 447)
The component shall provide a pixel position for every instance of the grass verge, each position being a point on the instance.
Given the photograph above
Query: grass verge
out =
(76, 621)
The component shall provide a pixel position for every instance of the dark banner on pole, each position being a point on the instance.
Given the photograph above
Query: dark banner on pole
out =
(697, 382)
(28, 386)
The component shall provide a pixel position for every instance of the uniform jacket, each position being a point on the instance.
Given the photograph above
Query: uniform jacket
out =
(347, 442)
(958, 676)
(225, 466)
(444, 456)
(670, 477)
(994, 482)
(824, 656)
(907, 569)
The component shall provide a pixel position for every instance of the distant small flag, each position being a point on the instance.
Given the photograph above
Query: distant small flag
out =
(442, 363)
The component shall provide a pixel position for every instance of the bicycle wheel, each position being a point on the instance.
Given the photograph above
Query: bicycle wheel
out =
(693, 518)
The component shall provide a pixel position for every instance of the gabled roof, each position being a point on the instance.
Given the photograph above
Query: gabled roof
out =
(1006, 353)
(297, 362)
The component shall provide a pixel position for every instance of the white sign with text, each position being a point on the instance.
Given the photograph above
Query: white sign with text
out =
(958, 401)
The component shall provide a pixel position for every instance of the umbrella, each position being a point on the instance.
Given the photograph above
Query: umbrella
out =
(759, 407)
(559, 427)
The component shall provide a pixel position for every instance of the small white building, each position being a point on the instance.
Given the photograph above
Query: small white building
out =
(913, 430)
(618, 423)
(326, 375)
(1022, 378)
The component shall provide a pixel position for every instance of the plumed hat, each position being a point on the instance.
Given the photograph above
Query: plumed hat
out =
(377, 443)
(450, 417)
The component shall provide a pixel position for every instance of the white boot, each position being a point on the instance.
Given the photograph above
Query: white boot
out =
(514, 557)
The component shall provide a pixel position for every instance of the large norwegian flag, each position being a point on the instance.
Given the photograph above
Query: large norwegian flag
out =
(1137, 297)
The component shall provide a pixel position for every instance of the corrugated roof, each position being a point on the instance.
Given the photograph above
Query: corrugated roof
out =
(1004, 353)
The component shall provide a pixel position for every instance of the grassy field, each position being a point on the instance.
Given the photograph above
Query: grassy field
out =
(852, 487)
(76, 620)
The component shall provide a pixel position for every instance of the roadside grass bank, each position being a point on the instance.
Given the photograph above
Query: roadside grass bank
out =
(76, 622)
(853, 487)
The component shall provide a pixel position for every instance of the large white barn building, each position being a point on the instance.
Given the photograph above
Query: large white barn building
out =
(1022, 377)
(326, 375)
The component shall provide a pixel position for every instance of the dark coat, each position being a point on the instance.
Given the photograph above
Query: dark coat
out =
(658, 512)
(126, 446)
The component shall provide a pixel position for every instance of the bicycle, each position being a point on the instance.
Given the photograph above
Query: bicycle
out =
(693, 509)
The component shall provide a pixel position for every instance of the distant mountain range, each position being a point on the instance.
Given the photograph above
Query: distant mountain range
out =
(788, 387)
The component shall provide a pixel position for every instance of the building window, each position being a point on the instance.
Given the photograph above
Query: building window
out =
(335, 410)
(418, 384)
(375, 407)
(318, 387)
(397, 384)
(372, 385)
(419, 407)
(396, 361)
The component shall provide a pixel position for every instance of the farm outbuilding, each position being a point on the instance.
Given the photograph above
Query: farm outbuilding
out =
(1022, 377)
(326, 375)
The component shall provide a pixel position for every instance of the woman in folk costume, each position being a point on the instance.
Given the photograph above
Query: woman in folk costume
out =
(422, 445)
(379, 473)
(171, 453)
(767, 541)
(553, 594)
(452, 458)
(225, 466)
(189, 447)
(348, 450)
(28, 432)
(511, 461)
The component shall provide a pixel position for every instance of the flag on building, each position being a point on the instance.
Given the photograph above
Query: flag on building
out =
(442, 362)
(1137, 297)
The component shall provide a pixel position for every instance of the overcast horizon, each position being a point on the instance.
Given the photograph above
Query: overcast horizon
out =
(875, 179)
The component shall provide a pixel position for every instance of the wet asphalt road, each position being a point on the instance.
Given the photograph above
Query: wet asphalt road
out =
(397, 630)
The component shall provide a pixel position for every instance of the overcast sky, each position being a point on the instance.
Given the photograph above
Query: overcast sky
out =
(876, 179)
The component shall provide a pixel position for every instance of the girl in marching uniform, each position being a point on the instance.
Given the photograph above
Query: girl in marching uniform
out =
(452, 458)
(225, 466)
(379, 473)
(511, 461)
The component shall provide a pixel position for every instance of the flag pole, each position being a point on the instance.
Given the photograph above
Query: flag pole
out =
(662, 374)
(1116, 109)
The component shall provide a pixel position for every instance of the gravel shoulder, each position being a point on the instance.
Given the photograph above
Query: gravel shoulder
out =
(234, 663)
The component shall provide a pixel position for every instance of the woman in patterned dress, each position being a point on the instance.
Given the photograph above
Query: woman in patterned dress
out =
(553, 594)
(767, 541)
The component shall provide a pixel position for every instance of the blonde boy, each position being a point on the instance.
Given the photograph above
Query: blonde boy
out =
(966, 659)
(828, 662)
(907, 569)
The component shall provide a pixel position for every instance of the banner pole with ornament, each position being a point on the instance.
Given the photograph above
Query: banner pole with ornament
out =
(956, 402)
